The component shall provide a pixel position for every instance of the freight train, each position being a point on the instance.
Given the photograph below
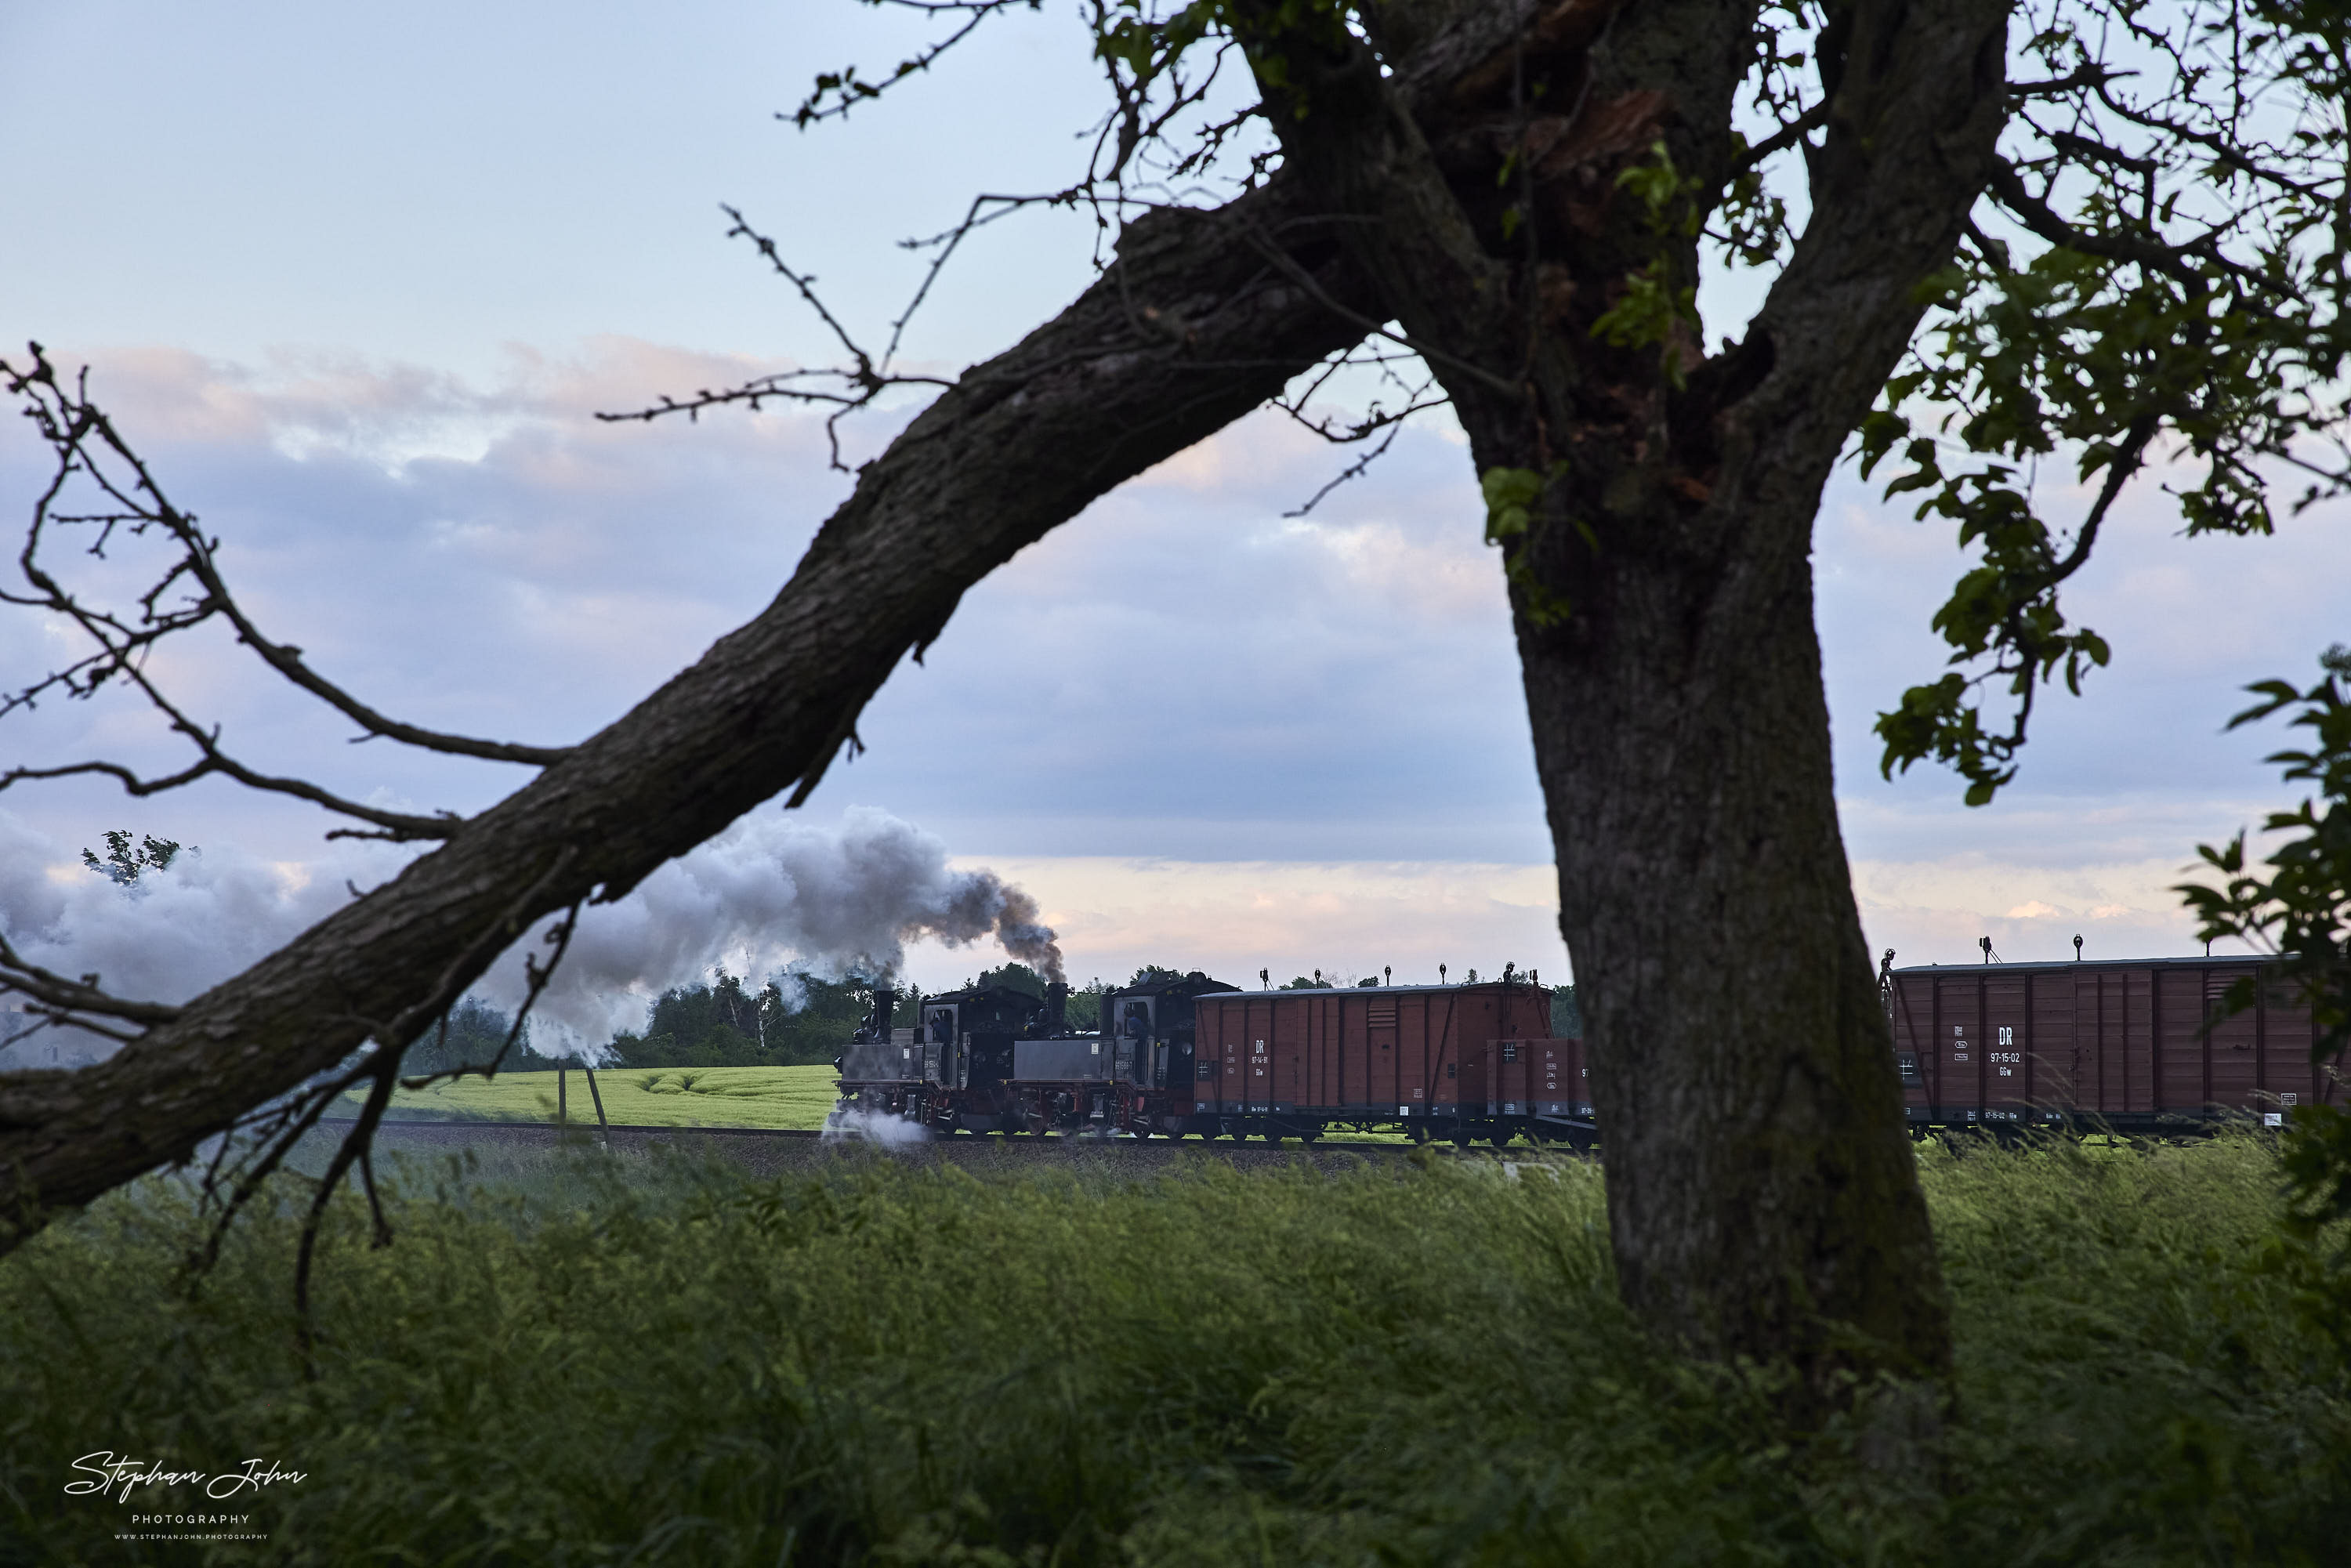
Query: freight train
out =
(2136, 1045)
(1186, 1055)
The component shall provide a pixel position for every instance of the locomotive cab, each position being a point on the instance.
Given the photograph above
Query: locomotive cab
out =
(966, 1036)
(1151, 1026)
(940, 1043)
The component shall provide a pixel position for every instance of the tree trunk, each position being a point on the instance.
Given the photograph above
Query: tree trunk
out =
(1762, 1197)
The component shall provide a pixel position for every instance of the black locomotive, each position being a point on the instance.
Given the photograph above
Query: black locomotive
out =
(993, 1058)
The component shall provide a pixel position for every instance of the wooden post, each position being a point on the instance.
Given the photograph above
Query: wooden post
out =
(596, 1095)
(562, 1094)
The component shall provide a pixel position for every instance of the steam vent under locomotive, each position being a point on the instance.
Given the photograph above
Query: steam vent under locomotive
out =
(1192, 1055)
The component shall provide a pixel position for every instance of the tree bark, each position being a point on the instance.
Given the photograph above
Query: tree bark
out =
(1761, 1191)
(1204, 316)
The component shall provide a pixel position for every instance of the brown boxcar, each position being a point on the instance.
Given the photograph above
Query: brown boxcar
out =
(2137, 1044)
(1427, 1057)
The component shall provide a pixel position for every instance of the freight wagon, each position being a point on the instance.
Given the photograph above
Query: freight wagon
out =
(1463, 1062)
(2138, 1045)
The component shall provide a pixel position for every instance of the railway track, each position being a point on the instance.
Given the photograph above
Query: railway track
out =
(768, 1150)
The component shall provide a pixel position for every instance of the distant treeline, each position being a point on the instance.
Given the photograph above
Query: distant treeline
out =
(721, 1023)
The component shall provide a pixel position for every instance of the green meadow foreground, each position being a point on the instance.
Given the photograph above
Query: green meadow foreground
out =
(581, 1357)
(642, 1097)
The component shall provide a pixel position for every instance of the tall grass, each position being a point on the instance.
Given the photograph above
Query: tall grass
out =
(591, 1358)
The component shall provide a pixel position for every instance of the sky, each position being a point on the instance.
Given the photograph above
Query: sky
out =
(356, 280)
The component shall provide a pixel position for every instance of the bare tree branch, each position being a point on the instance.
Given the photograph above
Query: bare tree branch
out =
(82, 995)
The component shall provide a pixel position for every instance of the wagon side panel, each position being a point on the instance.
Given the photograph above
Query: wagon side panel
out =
(2235, 1043)
(2049, 1045)
(2006, 1028)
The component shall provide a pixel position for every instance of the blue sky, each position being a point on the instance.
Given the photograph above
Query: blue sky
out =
(358, 277)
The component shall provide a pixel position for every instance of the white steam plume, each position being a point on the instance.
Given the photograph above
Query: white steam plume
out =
(773, 888)
(178, 933)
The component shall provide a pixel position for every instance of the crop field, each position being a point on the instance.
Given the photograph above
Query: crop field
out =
(790, 1097)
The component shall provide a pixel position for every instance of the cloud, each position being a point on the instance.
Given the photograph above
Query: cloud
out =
(1938, 910)
(1184, 678)
(1349, 919)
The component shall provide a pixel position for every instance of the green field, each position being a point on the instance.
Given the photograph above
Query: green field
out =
(576, 1356)
(641, 1097)
(788, 1097)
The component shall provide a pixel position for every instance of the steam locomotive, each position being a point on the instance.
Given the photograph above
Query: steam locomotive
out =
(1186, 1055)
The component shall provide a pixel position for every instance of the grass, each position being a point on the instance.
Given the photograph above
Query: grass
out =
(671, 1097)
(571, 1356)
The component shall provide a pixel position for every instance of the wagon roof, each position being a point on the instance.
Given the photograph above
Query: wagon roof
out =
(1400, 990)
(1192, 984)
(2218, 960)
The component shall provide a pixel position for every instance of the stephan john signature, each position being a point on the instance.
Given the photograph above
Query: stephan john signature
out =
(105, 1472)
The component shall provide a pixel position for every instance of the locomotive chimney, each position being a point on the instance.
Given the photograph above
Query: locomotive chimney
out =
(1057, 1008)
(885, 1004)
